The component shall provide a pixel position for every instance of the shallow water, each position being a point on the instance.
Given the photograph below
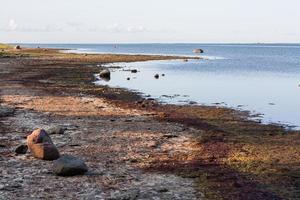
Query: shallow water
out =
(260, 78)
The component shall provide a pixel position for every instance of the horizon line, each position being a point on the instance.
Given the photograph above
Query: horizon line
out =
(62, 43)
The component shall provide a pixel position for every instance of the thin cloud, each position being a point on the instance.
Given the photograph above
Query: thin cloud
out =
(119, 28)
(13, 26)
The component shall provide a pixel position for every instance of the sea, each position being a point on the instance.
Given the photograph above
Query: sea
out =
(261, 78)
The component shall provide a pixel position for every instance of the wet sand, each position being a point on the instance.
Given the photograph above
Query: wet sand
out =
(135, 148)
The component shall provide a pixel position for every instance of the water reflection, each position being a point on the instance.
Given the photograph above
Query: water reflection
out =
(275, 95)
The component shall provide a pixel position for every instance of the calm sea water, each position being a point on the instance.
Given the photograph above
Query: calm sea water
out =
(256, 77)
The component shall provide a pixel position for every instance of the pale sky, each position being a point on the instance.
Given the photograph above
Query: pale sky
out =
(142, 21)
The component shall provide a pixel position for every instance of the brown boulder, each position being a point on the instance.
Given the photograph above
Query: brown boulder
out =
(41, 145)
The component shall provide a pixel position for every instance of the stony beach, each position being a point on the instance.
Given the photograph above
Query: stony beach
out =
(134, 148)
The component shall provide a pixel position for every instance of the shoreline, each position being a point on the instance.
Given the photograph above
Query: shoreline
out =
(215, 152)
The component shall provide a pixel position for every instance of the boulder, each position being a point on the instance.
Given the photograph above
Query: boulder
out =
(21, 149)
(134, 71)
(198, 51)
(105, 74)
(18, 47)
(156, 76)
(41, 145)
(68, 165)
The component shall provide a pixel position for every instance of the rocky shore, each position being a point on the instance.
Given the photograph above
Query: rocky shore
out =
(133, 148)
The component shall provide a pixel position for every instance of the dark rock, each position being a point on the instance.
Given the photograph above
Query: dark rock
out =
(21, 149)
(139, 102)
(17, 47)
(41, 145)
(134, 71)
(170, 136)
(198, 51)
(104, 73)
(68, 165)
(163, 75)
(156, 76)
(56, 130)
(128, 79)
(185, 60)
(163, 190)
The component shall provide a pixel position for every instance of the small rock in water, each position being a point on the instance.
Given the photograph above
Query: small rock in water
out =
(21, 149)
(41, 145)
(128, 79)
(156, 76)
(198, 51)
(56, 130)
(68, 165)
(163, 75)
(185, 60)
(105, 73)
(134, 71)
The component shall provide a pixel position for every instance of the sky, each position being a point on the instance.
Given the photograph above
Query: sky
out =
(150, 21)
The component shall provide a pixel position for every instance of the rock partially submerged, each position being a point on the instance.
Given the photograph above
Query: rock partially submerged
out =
(156, 76)
(68, 165)
(198, 51)
(105, 74)
(41, 145)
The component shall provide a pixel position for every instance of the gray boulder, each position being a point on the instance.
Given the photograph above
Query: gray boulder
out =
(68, 165)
